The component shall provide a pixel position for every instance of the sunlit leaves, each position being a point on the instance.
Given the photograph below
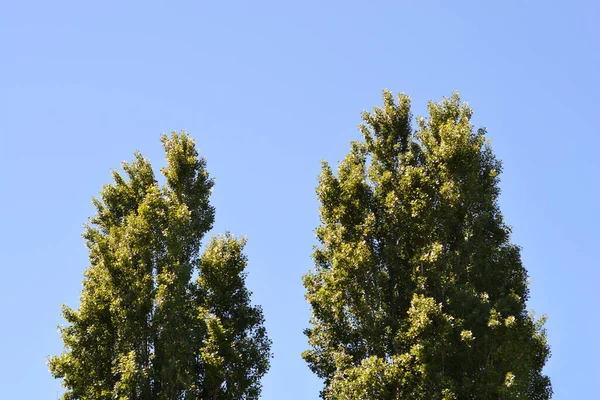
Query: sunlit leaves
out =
(145, 329)
(417, 292)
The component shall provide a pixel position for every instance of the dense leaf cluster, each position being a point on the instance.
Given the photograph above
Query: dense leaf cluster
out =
(417, 292)
(146, 328)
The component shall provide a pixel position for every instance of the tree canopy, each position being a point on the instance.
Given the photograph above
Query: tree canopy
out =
(417, 291)
(157, 319)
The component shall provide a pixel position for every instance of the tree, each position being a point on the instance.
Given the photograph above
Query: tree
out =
(417, 292)
(145, 328)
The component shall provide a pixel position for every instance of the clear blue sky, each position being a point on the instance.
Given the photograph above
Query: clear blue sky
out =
(268, 89)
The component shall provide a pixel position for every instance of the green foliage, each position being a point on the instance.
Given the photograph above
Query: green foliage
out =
(417, 292)
(145, 328)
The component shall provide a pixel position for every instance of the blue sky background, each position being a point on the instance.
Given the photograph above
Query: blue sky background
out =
(268, 89)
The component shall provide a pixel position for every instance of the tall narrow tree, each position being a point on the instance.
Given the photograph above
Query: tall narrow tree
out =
(145, 329)
(417, 292)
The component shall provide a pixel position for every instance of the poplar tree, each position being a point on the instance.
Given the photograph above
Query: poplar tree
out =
(157, 320)
(417, 291)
